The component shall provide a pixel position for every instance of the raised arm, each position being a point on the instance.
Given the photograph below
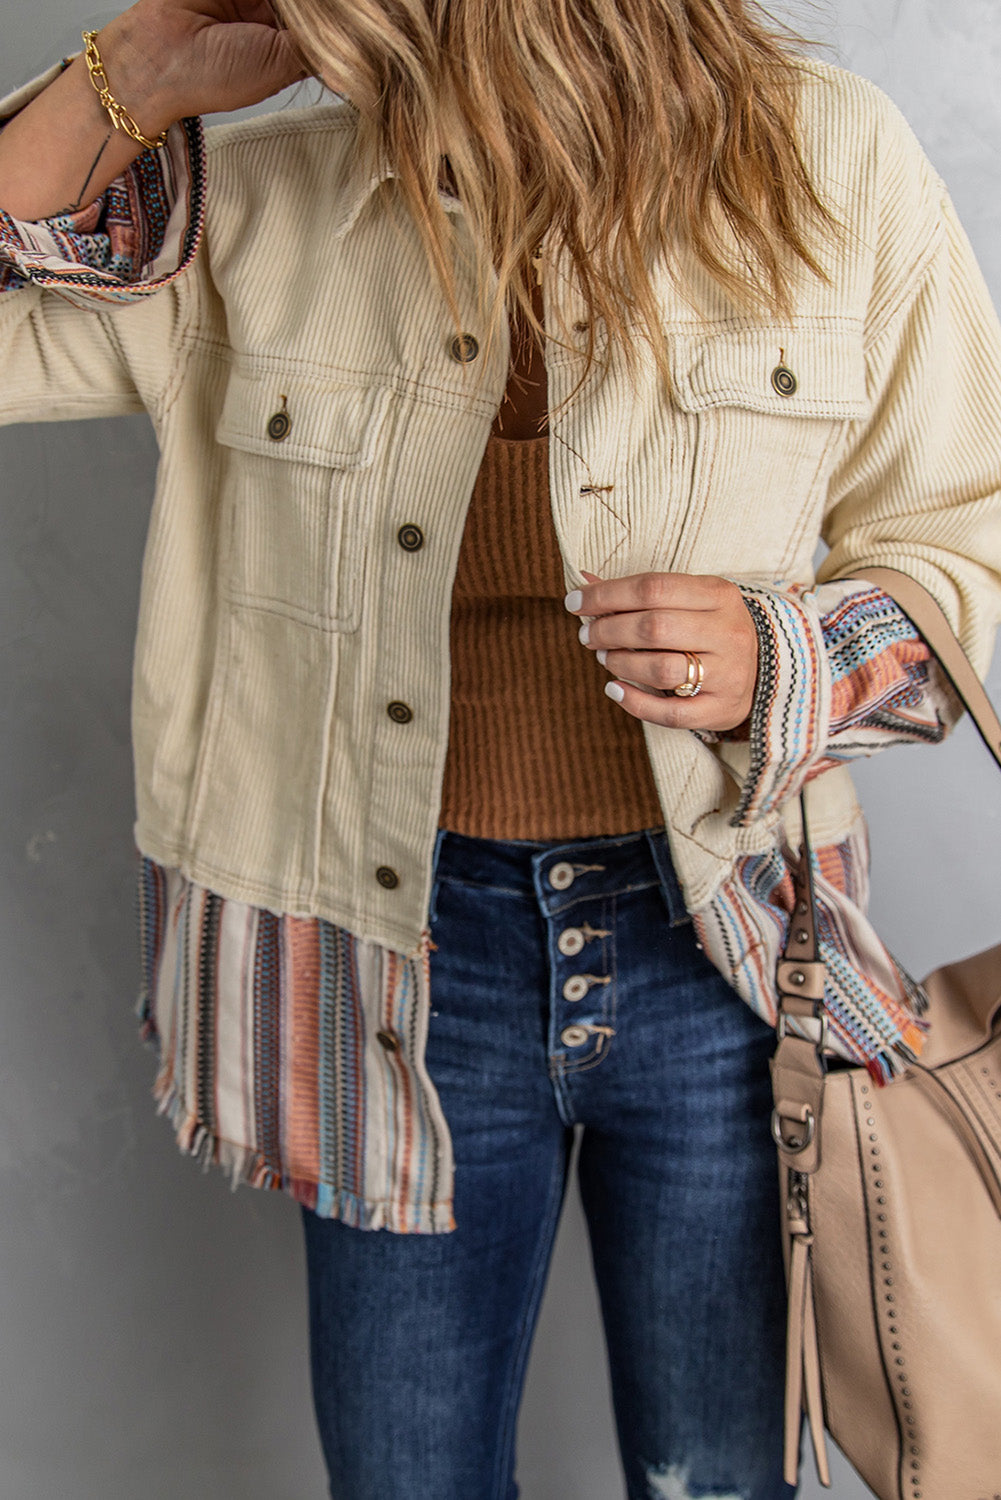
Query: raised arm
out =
(164, 60)
(93, 226)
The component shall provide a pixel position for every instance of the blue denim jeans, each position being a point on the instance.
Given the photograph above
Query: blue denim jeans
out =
(568, 989)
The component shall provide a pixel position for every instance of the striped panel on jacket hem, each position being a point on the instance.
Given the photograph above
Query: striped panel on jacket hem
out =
(292, 1055)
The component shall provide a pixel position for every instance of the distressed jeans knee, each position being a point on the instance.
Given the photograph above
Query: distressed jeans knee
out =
(671, 1482)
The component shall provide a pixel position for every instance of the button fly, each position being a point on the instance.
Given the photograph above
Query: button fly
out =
(574, 1036)
(561, 876)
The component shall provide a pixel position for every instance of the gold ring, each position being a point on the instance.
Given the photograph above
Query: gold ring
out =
(692, 684)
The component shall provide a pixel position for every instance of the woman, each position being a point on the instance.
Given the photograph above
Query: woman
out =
(620, 303)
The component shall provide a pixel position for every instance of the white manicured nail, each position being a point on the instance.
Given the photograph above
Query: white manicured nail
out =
(615, 691)
(574, 600)
(583, 633)
(602, 656)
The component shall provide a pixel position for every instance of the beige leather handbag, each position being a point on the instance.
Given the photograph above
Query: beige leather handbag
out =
(892, 1199)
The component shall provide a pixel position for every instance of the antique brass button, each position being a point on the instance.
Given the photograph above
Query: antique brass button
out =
(280, 424)
(464, 348)
(410, 538)
(400, 713)
(387, 1040)
(784, 381)
(387, 878)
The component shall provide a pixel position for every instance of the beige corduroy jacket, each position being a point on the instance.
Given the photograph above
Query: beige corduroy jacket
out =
(298, 572)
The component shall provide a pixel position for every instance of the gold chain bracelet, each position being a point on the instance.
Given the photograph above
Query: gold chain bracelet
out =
(120, 117)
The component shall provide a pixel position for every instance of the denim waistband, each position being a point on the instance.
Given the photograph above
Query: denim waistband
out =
(558, 873)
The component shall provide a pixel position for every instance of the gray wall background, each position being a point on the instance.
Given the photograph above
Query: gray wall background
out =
(152, 1324)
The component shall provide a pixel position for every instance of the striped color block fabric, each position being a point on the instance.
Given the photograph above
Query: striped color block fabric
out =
(275, 1065)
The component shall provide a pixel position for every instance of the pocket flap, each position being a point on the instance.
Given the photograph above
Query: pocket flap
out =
(778, 371)
(304, 418)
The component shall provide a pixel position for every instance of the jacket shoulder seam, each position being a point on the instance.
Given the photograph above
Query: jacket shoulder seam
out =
(910, 291)
(318, 120)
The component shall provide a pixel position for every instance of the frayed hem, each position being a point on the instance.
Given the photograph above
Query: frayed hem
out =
(891, 1062)
(245, 1166)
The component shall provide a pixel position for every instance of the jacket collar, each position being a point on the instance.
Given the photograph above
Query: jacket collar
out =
(361, 184)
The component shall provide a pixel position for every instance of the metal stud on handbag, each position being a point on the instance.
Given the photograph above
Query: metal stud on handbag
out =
(892, 1204)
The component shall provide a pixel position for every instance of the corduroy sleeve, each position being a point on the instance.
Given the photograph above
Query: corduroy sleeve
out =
(918, 488)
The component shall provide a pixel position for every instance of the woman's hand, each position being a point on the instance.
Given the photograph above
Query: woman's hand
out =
(197, 57)
(163, 59)
(641, 628)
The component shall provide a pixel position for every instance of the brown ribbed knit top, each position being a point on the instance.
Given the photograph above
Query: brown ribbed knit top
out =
(535, 749)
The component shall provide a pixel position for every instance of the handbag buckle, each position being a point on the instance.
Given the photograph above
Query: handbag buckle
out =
(809, 1028)
(794, 1144)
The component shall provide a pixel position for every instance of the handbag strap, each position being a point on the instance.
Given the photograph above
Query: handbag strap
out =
(933, 627)
(800, 975)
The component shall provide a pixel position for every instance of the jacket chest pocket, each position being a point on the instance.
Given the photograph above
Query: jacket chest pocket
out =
(766, 411)
(298, 494)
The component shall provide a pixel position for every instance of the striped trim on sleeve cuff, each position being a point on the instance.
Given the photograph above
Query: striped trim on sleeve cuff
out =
(130, 242)
(842, 673)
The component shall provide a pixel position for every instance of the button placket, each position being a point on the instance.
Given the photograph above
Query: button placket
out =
(582, 996)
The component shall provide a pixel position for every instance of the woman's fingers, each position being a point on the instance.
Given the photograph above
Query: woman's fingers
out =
(654, 630)
(651, 591)
(700, 712)
(657, 671)
(646, 684)
(643, 629)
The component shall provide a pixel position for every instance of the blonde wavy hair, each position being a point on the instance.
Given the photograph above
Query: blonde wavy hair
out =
(626, 130)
